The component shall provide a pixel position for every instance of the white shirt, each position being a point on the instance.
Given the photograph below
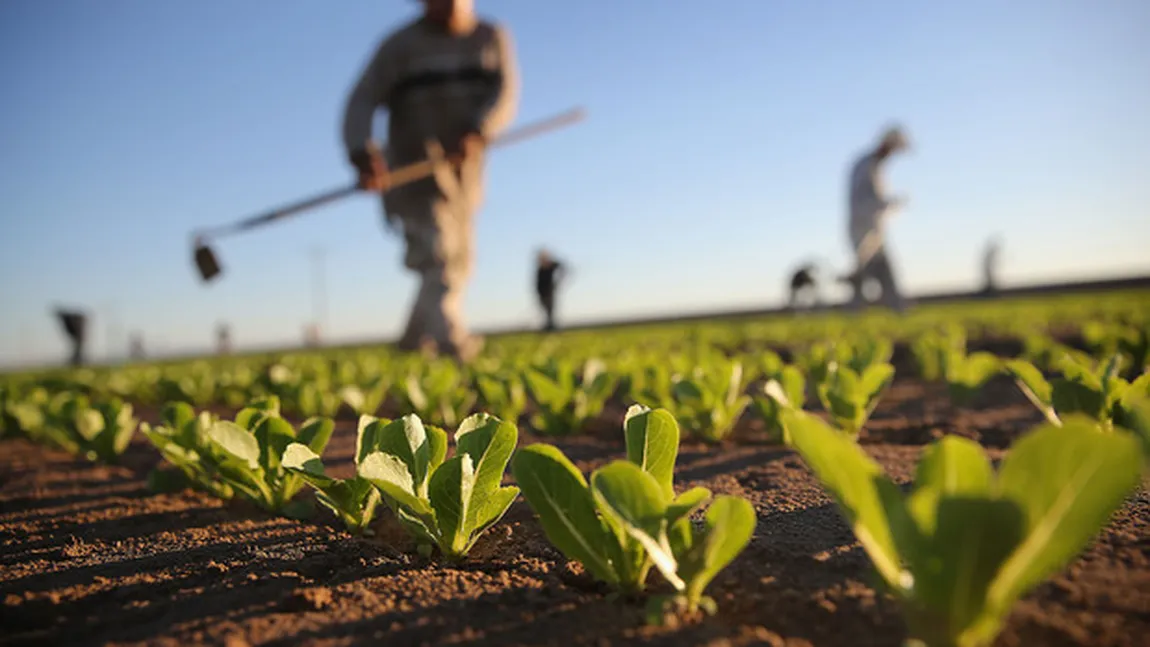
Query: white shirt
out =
(869, 204)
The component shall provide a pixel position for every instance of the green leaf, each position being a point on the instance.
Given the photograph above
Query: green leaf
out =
(406, 439)
(1034, 386)
(450, 491)
(559, 495)
(490, 443)
(315, 433)
(951, 467)
(730, 524)
(1068, 481)
(857, 484)
(955, 564)
(652, 439)
(89, 424)
(273, 435)
(634, 501)
(678, 522)
(390, 474)
(300, 458)
(1072, 396)
(236, 441)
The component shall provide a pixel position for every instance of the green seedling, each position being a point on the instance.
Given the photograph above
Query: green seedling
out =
(503, 393)
(966, 543)
(711, 400)
(564, 402)
(353, 500)
(628, 518)
(966, 375)
(850, 397)
(784, 390)
(443, 503)
(247, 454)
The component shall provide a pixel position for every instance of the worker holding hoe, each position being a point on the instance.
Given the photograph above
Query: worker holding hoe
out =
(870, 209)
(450, 83)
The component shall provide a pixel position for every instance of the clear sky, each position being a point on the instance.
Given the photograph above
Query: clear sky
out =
(713, 159)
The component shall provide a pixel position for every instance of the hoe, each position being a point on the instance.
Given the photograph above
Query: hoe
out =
(209, 266)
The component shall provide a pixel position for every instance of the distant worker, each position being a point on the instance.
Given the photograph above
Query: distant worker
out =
(450, 83)
(804, 287)
(136, 347)
(870, 209)
(990, 261)
(223, 339)
(548, 274)
(75, 326)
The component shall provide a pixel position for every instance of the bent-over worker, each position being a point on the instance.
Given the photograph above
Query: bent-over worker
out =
(870, 208)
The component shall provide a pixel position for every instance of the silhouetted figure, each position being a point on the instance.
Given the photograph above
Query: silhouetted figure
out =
(990, 260)
(75, 327)
(136, 348)
(223, 339)
(870, 208)
(804, 287)
(548, 273)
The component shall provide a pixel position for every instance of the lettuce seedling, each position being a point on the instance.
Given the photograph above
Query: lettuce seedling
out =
(503, 394)
(784, 390)
(353, 500)
(966, 544)
(967, 374)
(850, 397)
(448, 503)
(566, 397)
(711, 400)
(367, 397)
(628, 519)
(1082, 389)
(248, 455)
(182, 439)
(441, 393)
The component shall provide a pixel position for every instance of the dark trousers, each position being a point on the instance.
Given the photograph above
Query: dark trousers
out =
(547, 300)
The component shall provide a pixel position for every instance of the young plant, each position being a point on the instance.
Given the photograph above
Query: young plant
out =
(965, 544)
(248, 455)
(353, 500)
(1100, 395)
(711, 400)
(967, 374)
(850, 397)
(503, 394)
(448, 503)
(783, 390)
(105, 430)
(440, 393)
(366, 398)
(182, 439)
(628, 519)
(566, 403)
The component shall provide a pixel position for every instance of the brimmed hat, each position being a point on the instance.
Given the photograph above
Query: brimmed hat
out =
(895, 138)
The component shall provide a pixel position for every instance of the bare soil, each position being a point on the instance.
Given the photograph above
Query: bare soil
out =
(89, 556)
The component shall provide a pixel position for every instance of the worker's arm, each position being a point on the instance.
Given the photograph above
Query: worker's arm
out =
(370, 94)
(501, 106)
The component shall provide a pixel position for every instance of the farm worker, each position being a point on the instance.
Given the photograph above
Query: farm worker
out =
(990, 266)
(75, 325)
(449, 82)
(870, 208)
(548, 273)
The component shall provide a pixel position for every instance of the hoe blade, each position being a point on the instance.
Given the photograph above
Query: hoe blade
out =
(206, 262)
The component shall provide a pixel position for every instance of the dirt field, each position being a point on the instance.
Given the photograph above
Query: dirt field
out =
(91, 557)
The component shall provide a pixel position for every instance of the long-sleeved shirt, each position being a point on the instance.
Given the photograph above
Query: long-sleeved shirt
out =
(434, 85)
(869, 203)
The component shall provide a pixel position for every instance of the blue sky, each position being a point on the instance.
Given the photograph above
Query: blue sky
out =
(713, 159)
